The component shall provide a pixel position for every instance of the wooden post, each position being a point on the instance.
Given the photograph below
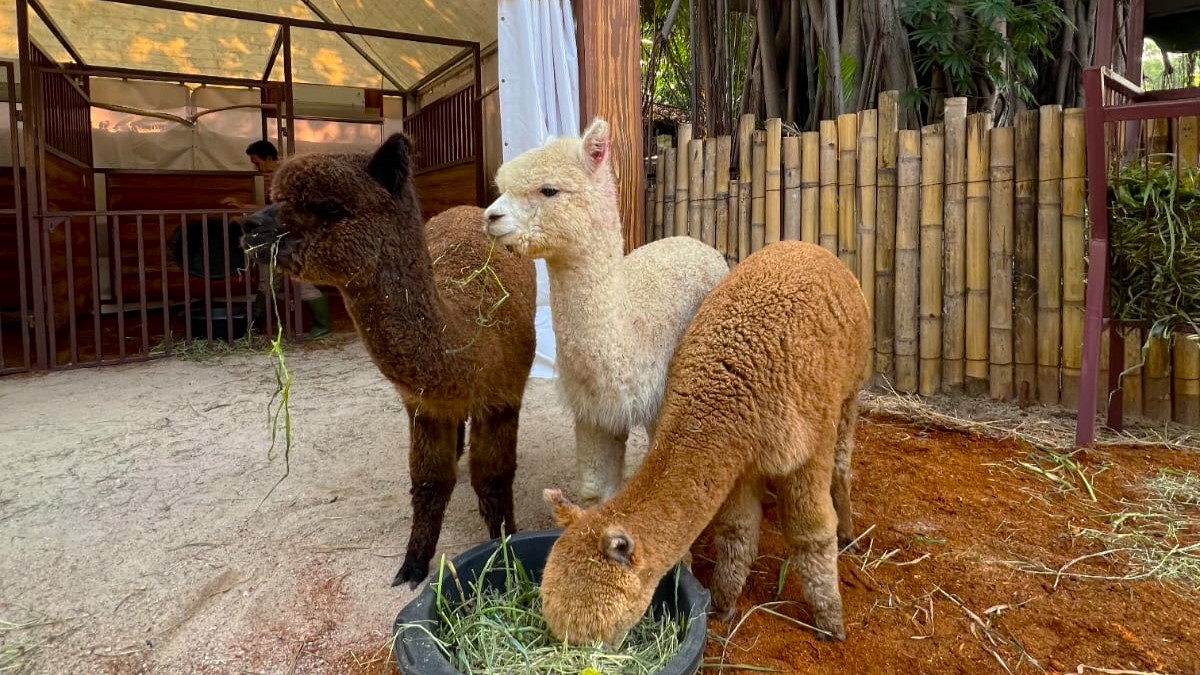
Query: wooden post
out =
(722, 193)
(745, 132)
(1074, 247)
(695, 186)
(1189, 142)
(810, 176)
(661, 180)
(746, 181)
(868, 146)
(744, 209)
(908, 217)
(708, 213)
(978, 189)
(847, 132)
(791, 188)
(932, 200)
(829, 197)
(1131, 381)
(1049, 252)
(1000, 344)
(735, 200)
(758, 199)
(1025, 258)
(954, 324)
(609, 39)
(774, 141)
(683, 141)
(885, 234)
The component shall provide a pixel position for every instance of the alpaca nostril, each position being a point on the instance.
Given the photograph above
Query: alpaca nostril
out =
(493, 216)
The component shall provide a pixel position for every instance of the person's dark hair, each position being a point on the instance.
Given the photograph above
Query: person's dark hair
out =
(263, 149)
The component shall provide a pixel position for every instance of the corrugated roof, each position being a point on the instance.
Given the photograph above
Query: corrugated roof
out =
(108, 34)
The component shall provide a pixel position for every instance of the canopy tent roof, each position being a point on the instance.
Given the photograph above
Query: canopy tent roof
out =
(114, 34)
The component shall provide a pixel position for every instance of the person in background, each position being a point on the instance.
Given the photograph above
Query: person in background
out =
(265, 158)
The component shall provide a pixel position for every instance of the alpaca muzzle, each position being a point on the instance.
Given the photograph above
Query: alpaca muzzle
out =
(261, 229)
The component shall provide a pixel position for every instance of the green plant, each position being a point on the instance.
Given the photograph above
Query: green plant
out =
(974, 43)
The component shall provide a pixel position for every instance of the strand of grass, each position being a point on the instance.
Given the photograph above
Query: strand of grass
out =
(283, 386)
(483, 319)
(1081, 668)
(766, 608)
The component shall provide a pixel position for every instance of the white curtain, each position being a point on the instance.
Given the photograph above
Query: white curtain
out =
(539, 98)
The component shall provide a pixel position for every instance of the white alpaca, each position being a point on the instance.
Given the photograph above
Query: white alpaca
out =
(617, 318)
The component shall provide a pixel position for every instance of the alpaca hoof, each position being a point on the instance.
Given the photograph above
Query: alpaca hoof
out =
(847, 545)
(413, 572)
(722, 615)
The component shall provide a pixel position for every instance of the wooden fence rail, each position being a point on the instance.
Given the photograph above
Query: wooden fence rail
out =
(969, 242)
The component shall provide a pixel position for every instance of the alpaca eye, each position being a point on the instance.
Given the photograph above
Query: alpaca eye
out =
(330, 211)
(549, 191)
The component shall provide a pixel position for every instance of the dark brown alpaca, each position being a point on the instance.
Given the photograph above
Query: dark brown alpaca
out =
(354, 222)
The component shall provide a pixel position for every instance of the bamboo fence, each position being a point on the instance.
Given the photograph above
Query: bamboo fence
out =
(969, 242)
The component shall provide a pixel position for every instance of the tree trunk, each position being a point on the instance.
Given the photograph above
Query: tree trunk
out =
(793, 72)
(767, 61)
(833, 51)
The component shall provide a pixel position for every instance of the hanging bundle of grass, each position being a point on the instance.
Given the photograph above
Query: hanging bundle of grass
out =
(1154, 231)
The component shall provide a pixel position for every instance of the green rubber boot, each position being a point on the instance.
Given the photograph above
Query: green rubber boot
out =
(321, 323)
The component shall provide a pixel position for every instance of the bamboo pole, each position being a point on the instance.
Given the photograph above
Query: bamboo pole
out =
(1000, 344)
(1187, 379)
(977, 253)
(695, 186)
(708, 210)
(868, 153)
(829, 195)
(810, 176)
(724, 145)
(1189, 142)
(648, 208)
(683, 140)
(740, 248)
(791, 188)
(1156, 381)
(661, 179)
(744, 209)
(758, 199)
(954, 323)
(847, 219)
(1131, 381)
(932, 198)
(1074, 246)
(885, 234)
(774, 141)
(735, 209)
(1025, 258)
(908, 284)
(669, 184)
(1049, 253)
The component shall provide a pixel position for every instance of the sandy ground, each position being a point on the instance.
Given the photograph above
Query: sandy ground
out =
(131, 531)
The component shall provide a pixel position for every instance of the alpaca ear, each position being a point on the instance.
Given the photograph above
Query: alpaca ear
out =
(595, 145)
(618, 546)
(391, 165)
(565, 512)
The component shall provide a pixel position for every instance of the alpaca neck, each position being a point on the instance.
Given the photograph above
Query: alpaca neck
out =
(690, 469)
(592, 308)
(399, 311)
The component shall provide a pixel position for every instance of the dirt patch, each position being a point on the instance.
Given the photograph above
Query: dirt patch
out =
(135, 538)
(940, 586)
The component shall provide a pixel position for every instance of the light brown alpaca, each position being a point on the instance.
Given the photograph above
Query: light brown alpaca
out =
(354, 222)
(763, 386)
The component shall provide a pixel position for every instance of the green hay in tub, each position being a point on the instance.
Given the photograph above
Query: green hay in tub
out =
(1154, 232)
(502, 630)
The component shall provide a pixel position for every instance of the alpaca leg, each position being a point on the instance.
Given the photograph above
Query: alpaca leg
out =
(431, 464)
(601, 462)
(841, 471)
(493, 466)
(460, 443)
(735, 535)
(810, 530)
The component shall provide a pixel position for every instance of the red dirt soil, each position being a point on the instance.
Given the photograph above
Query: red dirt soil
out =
(955, 507)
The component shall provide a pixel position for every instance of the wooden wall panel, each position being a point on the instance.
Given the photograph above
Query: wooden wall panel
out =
(69, 187)
(441, 189)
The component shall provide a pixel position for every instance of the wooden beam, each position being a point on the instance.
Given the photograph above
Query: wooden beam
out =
(608, 36)
(275, 47)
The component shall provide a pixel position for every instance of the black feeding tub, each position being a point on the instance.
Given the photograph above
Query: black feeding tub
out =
(195, 232)
(417, 654)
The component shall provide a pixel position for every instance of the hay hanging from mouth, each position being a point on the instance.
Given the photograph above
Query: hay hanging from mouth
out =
(1154, 232)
